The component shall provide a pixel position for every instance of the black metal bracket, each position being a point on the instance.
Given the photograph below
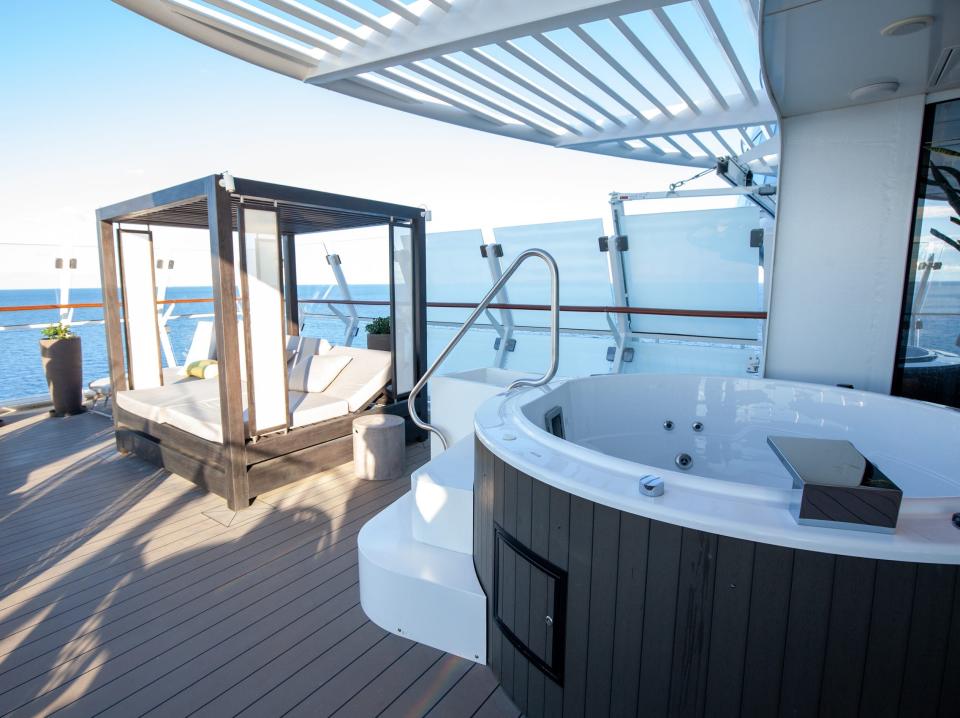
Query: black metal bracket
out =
(620, 242)
(628, 354)
(485, 249)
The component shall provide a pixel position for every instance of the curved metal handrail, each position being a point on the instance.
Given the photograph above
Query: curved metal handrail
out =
(481, 307)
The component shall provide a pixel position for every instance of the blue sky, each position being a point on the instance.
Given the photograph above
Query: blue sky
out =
(99, 104)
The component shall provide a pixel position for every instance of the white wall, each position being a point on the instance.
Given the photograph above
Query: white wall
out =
(847, 180)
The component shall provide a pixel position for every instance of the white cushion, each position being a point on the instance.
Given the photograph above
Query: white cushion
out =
(311, 407)
(313, 345)
(200, 418)
(362, 379)
(150, 403)
(317, 372)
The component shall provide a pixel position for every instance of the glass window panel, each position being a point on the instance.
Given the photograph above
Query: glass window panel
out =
(928, 362)
(695, 260)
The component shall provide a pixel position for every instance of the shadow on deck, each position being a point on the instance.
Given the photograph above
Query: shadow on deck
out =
(119, 596)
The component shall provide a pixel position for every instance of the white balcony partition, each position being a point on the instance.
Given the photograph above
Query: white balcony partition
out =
(263, 320)
(140, 309)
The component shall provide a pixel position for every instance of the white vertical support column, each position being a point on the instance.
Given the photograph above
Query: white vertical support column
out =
(492, 252)
(618, 287)
(65, 265)
(164, 312)
(352, 321)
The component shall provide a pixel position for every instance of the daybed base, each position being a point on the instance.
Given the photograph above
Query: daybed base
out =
(271, 461)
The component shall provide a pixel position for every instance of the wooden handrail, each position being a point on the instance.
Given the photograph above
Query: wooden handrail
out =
(93, 305)
(656, 311)
(577, 308)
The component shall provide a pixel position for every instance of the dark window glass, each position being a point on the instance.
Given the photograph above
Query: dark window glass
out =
(928, 360)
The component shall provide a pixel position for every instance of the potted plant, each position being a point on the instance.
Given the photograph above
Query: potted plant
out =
(378, 334)
(63, 367)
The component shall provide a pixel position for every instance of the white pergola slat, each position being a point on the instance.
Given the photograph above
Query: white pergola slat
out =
(630, 78)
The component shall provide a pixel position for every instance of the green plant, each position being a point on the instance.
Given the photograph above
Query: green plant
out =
(57, 331)
(380, 325)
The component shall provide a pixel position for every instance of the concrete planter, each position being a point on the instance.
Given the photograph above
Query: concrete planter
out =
(62, 363)
(380, 342)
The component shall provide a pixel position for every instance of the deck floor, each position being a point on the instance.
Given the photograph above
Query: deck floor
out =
(121, 596)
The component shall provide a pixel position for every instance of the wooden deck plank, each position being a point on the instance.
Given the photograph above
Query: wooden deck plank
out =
(423, 694)
(119, 597)
(386, 687)
(266, 542)
(467, 695)
(93, 573)
(181, 606)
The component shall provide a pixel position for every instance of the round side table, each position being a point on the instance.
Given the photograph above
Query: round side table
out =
(379, 447)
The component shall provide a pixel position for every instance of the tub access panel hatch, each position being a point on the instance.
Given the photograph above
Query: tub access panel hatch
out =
(538, 635)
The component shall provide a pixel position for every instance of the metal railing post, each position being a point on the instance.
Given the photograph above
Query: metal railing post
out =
(480, 308)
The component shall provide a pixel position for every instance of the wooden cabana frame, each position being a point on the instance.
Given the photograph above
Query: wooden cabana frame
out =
(244, 466)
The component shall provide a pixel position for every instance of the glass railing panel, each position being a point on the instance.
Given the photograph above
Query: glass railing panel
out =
(581, 353)
(584, 276)
(29, 276)
(677, 357)
(364, 263)
(456, 272)
(475, 350)
(695, 260)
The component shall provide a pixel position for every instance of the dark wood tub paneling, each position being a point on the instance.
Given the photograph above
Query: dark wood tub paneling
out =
(662, 620)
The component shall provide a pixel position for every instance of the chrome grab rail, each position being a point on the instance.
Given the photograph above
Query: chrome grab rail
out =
(480, 308)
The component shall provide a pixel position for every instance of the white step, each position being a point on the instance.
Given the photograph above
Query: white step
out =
(443, 499)
(425, 593)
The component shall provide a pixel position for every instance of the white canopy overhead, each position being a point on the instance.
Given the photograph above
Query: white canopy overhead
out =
(658, 80)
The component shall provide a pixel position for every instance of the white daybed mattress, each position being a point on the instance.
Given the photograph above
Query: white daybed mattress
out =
(362, 379)
(194, 406)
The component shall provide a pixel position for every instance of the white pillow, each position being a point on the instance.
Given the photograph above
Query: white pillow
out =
(315, 373)
(313, 345)
(303, 347)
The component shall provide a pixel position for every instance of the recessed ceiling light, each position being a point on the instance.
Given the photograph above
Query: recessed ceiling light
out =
(908, 25)
(875, 91)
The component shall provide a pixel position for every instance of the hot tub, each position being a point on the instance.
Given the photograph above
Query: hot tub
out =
(711, 598)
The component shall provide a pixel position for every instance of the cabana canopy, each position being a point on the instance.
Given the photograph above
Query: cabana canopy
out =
(256, 426)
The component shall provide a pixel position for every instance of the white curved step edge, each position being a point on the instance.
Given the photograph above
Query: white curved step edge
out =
(443, 499)
(425, 593)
